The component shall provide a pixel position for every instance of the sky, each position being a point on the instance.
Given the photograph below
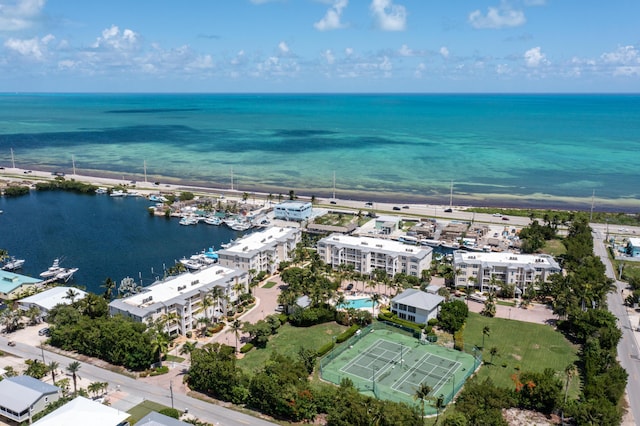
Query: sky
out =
(320, 46)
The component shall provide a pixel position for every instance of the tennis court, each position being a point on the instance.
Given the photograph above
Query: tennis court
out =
(392, 365)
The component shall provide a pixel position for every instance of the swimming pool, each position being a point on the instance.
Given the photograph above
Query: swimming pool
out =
(357, 303)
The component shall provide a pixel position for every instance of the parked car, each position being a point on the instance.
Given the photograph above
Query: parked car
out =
(44, 332)
(349, 286)
(11, 343)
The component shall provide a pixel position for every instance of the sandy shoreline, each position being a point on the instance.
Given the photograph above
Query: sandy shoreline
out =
(343, 197)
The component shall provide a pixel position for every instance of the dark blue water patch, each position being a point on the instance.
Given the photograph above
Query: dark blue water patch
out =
(150, 110)
(103, 236)
(129, 134)
(297, 133)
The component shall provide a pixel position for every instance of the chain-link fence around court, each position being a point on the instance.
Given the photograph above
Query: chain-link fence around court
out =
(388, 362)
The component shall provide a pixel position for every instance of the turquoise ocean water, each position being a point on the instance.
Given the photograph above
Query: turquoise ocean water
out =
(526, 150)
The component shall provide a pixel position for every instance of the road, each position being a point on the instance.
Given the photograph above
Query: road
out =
(627, 348)
(136, 391)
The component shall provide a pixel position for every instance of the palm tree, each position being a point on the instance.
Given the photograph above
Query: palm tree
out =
(73, 369)
(94, 388)
(422, 393)
(187, 348)
(236, 327)
(486, 331)
(160, 344)
(71, 294)
(493, 352)
(109, 285)
(375, 298)
(52, 367)
(252, 284)
(570, 371)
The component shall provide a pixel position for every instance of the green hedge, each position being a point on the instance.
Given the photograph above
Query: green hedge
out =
(159, 370)
(347, 333)
(324, 349)
(383, 316)
(246, 348)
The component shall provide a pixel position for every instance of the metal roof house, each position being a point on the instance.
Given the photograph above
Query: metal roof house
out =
(23, 396)
(416, 305)
(50, 298)
(12, 284)
(83, 411)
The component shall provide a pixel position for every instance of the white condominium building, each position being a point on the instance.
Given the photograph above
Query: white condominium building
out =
(476, 268)
(261, 251)
(368, 254)
(181, 299)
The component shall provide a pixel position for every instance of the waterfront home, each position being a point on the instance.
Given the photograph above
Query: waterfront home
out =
(261, 251)
(368, 254)
(293, 210)
(387, 225)
(479, 269)
(13, 285)
(416, 305)
(83, 411)
(48, 299)
(181, 298)
(21, 397)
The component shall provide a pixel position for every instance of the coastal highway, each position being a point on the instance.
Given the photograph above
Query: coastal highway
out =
(211, 413)
(628, 353)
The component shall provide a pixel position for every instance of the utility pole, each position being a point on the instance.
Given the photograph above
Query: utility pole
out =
(73, 163)
(144, 164)
(171, 390)
(13, 160)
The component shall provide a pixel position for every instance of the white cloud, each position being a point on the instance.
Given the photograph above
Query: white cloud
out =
(19, 14)
(444, 52)
(626, 71)
(328, 56)
(405, 50)
(33, 48)
(114, 39)
(534, 57)
(283, 48)
(348, 51)
(496, 18)
(420, 69)
(331, 20)
(623, 55)
(535, 2)
(503, 69)
(389, 16)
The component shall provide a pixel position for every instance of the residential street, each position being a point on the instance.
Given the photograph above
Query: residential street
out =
(125, 392)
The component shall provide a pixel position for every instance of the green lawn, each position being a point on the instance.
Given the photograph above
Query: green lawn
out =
(142, 409)
(554, 247)
(269, 284)
(530, 347)
(288, 340)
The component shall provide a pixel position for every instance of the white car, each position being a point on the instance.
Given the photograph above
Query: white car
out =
(497, 215)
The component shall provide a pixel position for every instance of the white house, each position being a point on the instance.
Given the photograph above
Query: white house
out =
(293, 210)
(416, 305)
(83, 411)
(50, 298)
(21, 397)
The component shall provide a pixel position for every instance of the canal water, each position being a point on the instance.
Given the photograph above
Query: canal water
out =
(102, 236)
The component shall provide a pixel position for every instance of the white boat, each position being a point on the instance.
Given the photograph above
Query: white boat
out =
(118, 193)
(53, 269)
(188, 220)
(213, 220)
(66, 274)
(13, 264)
(241, 226)
(101, 190)
(191, 264)
(157, 198)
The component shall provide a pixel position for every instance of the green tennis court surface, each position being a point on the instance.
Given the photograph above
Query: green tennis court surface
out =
(392, 365)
